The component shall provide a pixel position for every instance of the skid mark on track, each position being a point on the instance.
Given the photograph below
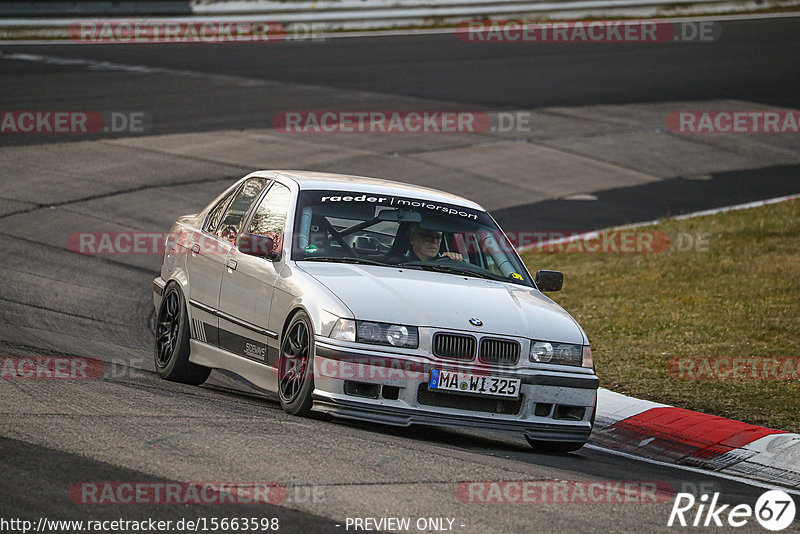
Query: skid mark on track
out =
(120, 192)
(62, 312)
(96, 258)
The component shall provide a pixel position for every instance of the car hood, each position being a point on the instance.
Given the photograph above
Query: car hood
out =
(443, 300)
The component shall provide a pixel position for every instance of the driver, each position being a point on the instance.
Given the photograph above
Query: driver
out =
(425, 245)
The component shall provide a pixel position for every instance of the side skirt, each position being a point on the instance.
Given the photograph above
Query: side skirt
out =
(216, 358)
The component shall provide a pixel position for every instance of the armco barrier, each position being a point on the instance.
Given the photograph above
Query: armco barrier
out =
(97, 8)
(51, 19)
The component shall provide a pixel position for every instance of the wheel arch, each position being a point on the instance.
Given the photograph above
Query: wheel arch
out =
(289, 316)
(322, 319)
(180, 277)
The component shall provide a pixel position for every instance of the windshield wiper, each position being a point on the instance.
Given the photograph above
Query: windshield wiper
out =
(453, 270)
(346, 259)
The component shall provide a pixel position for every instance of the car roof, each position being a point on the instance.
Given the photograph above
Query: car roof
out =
(314, 180)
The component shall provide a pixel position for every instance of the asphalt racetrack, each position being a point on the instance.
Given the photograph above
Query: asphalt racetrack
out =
(598, 154)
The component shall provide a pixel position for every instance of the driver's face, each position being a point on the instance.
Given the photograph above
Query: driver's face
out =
(425, 244)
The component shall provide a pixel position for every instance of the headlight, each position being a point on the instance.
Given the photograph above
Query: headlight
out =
(558, 353)
(394, 335)
(387, 334)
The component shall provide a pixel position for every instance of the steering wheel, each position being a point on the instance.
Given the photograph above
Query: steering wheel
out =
(447, 258)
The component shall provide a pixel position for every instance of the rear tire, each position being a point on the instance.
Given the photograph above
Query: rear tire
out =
(552, 447)
(172, 341)
(296, 365)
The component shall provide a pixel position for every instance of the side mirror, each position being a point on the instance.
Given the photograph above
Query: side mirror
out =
(549, 280)
(258, 245)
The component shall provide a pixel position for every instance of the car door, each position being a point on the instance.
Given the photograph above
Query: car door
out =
(208, 253)
(248, 283)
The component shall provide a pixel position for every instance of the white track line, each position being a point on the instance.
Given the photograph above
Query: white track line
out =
(594, 233)
(747, 205)
(95, 65)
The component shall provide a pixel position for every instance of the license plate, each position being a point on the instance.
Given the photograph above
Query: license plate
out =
(491, 386)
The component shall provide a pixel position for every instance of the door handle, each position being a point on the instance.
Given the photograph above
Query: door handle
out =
(196, 248)
(232, 265)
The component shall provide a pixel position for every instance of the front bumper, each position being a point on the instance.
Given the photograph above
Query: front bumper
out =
(538, 413)
(405, 417)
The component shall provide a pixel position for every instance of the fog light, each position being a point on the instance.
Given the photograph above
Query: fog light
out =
(569, 413)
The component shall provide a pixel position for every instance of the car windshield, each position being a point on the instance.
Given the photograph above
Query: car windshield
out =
(375, 229)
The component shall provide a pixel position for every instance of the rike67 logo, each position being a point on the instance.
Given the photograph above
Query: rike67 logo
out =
(774, 510)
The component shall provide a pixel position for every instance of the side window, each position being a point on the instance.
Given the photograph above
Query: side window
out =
(269, 218)
(232, 220)
(215, 215)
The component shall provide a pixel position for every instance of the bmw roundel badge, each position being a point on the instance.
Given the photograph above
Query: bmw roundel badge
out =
(474, 321)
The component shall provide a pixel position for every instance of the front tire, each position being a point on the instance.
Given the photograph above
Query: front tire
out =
(172, 341)
(296, 365)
